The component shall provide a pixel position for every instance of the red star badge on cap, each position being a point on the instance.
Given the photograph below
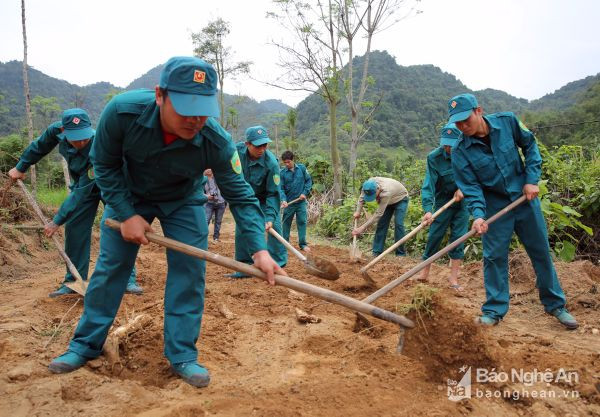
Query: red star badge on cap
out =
(453, 104)
(448, 131)
(199, 76)
(76, 120)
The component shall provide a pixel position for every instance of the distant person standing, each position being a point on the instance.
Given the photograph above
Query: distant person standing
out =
(491, 174)
(438, 188)
(261, 171)
(392, 198)
(74, 136)
(216, 205)
(296, 182)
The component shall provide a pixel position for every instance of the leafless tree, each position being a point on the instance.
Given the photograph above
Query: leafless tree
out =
(209, 45)
(365, 18)
(311, 60)
(28, 112)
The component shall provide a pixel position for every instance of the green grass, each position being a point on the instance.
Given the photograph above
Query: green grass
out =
(52, 197)
(422, 301)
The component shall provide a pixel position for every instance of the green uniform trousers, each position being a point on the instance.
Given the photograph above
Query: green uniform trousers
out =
(528, 222)
(457, 218)
(78, 237)
(299, 210)
(398, 210)
(184, 288)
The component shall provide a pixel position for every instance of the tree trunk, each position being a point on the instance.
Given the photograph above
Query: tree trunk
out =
(277, 141)
(65, 168)
(222, 105)
(353, 156)
(28, 114)
(335, 158)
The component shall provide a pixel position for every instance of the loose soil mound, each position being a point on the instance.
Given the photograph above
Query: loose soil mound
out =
(446, 340)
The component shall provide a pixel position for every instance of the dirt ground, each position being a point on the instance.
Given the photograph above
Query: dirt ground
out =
(263, 362)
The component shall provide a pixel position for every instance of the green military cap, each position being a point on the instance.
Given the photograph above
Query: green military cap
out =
(449, 135)
(257, 136)
(192, 86)
(76, 125)
(460, 107)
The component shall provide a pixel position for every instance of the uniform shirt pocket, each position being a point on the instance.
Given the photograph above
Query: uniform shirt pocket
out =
(484, 166)
(447, 177)
(509, 158)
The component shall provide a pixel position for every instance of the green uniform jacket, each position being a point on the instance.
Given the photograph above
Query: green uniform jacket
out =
(263, 176)
(82, 177)
(295, 182)
(482, 172)
(132, 164)
(439, 185)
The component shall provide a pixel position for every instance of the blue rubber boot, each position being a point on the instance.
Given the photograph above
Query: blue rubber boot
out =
(62, 290)
(132, 286)
(67, 362)
(486, 320)
(565, 318)
(192, 373)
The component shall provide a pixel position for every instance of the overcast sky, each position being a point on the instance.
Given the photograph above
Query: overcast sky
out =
(527, 48)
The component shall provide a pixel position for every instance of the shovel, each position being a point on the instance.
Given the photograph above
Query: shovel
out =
(314, 265)
(355, 253)
(294, 284)
(79, 285)
(361, 321)
(364, 269)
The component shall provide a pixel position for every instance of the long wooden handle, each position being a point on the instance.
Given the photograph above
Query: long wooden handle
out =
(287, 244)
(44, 221)
(407, 237)
(282, 280)
(384, 290)
(295, 200)
(354, 236)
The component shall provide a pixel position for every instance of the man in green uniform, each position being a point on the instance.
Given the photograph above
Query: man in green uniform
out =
(491, 174)
(149, 154)
(74, 136)
(296, 182)
(261, 171)
(438, 188)
(392, 198)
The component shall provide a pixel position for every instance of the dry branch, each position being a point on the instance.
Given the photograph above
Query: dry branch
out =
(120, 334)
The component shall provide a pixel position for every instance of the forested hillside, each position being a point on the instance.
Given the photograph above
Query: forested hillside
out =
(60, 94)
(12, 102)
(577, 124)
(412, 105)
